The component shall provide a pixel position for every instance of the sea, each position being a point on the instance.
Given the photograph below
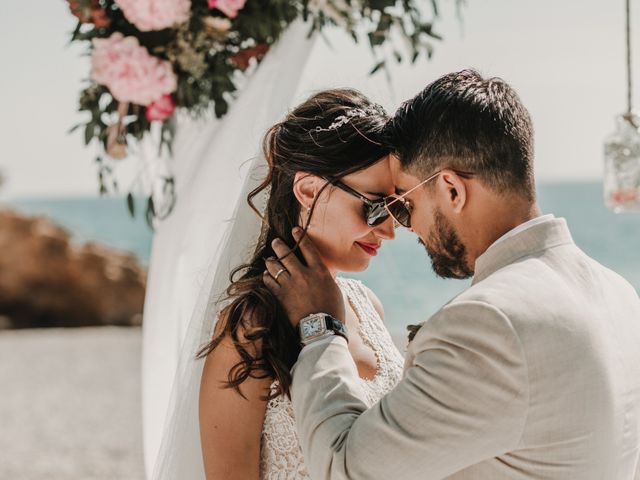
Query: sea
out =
(400, 275)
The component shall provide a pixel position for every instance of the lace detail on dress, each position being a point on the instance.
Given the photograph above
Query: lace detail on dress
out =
(281, 456)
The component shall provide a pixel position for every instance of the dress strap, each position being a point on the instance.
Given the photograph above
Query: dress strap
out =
(359, 298)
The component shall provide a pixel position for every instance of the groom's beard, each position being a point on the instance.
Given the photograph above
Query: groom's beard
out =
(446, 251)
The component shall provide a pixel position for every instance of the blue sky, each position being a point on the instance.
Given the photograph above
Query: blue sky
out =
(566, 59)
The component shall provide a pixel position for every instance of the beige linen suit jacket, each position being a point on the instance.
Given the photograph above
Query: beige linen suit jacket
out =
(531, 373)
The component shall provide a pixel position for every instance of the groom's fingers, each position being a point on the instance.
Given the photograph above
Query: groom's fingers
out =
(271, 284)
(276, 269)
(285, 256)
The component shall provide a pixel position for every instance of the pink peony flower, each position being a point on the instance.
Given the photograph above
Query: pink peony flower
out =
(160, 109)
(149, 15)
(129, 72)
(229, 7)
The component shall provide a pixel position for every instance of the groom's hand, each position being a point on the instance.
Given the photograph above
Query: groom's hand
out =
(302, 290)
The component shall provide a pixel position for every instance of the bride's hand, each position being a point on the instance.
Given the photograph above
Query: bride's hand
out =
(303, 290)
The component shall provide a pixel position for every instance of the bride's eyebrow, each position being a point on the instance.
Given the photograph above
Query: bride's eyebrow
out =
(376, 194)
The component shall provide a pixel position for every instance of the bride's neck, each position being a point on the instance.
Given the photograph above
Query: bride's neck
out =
(333, 272)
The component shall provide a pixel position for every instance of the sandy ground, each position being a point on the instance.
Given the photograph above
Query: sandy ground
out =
(70, 404)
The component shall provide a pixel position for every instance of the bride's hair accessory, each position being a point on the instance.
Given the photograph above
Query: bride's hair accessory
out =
(372, 110)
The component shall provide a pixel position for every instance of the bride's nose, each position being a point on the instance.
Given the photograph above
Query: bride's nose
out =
(386, 230)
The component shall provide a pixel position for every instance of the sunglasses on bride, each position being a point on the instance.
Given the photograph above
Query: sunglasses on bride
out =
(377, 211)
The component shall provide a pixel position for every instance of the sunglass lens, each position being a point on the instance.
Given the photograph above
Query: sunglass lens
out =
(376, 214)
(399, 212)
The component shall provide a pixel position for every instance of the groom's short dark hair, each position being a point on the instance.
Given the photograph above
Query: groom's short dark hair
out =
(466, 122)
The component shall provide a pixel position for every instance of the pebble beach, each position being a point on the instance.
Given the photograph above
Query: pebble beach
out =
(70, 404)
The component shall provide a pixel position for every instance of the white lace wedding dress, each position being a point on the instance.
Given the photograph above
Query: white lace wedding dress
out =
(281, 456)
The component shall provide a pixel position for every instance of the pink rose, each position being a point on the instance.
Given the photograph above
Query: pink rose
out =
(149, 15)
(229, 7)
(160, 109)
(128, 70)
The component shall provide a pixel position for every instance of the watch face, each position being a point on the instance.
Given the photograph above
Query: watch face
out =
(312, 327)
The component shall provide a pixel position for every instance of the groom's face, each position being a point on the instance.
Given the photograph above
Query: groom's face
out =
(435, 231)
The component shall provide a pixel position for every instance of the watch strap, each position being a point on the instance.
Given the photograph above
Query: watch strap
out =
(332, 326)
(336, 326)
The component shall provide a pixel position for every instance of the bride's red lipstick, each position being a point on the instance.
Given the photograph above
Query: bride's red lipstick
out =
(370, 248)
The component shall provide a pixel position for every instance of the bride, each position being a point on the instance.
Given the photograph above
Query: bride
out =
(328, 173)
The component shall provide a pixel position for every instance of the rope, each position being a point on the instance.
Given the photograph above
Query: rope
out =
(629, 97)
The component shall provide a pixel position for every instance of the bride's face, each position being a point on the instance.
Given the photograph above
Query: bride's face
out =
(338, 226)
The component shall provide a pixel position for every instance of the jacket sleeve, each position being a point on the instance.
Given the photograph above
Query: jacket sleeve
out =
(463, 399)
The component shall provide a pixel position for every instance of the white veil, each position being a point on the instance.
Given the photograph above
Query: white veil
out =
(212, 231)
(180, 454)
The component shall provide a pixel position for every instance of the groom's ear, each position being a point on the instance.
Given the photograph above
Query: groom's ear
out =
(455, 190)
(305, 188)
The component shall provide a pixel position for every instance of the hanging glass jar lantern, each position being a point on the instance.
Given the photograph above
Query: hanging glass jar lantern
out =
(622, 152)
(622, 165)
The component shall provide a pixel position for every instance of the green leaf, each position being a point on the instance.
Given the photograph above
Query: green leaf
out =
(74, 128)
(428, 29)
(381, 4)
(221, 107)
(131, 205)
(377, 38)
(377, 67)
(150, 212)
(76, 31)
(434, 5)
(103, 187)
(429, 50)
(88, 133)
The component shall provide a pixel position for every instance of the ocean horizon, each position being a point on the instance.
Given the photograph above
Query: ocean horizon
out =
(400, 275)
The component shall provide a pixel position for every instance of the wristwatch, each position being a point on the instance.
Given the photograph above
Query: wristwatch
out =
(319, 325)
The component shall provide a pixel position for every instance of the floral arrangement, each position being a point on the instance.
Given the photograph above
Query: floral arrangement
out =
(150, 57)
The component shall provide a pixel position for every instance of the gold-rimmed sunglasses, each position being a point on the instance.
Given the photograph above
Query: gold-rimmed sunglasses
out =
(400, 209)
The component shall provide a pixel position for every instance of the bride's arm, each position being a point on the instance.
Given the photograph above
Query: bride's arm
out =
(230, 426)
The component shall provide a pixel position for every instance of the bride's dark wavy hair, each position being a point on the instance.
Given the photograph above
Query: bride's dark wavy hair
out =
(254, 319)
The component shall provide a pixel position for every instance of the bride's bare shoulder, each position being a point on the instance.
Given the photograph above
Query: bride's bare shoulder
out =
(240, 335)
(229, 368)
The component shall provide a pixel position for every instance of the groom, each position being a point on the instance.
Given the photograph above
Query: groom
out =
(532, 373)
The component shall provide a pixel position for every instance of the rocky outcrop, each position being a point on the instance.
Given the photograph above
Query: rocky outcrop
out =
(46, 280)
